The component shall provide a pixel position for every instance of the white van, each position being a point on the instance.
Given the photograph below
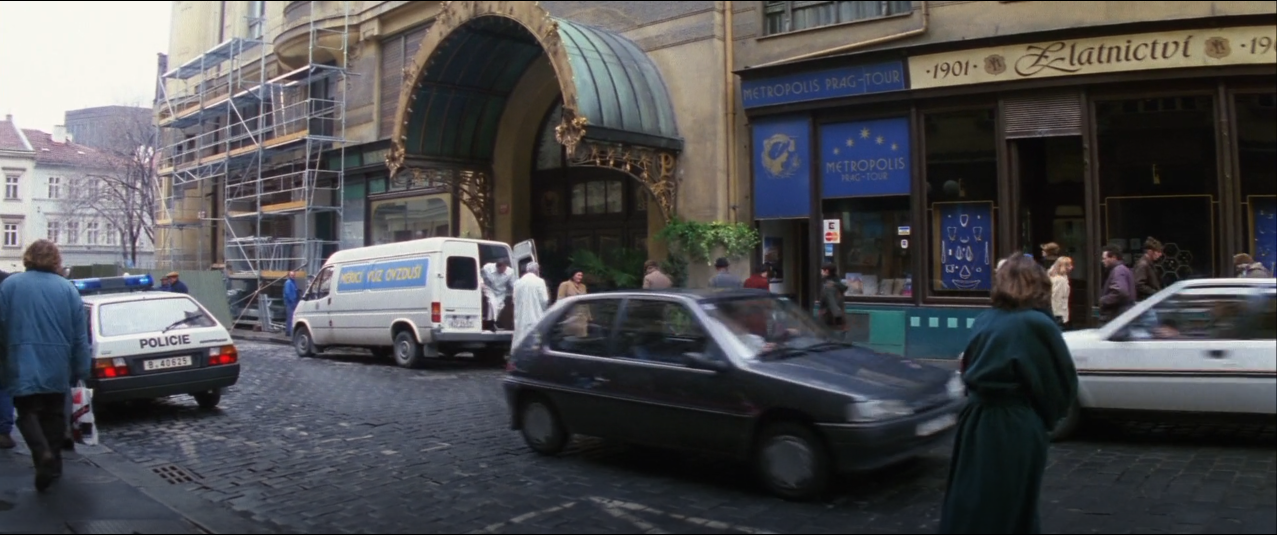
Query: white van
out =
(411, 300)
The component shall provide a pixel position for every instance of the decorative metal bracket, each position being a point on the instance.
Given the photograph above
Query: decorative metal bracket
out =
(656, 169)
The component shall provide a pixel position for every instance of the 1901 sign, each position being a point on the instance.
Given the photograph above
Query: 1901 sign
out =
(1163, 50)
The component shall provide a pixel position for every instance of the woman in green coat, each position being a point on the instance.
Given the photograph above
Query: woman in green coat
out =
(1021, 382)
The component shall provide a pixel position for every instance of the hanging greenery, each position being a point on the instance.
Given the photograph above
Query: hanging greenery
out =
(619, 269)
(700, 242)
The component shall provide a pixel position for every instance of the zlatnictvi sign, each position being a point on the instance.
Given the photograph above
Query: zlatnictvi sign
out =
(1075, 57)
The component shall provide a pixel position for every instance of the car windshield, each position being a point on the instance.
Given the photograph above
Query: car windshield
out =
(772, 326)
(151, 316)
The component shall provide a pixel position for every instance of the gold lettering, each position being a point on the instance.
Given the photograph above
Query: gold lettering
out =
(1041, 58)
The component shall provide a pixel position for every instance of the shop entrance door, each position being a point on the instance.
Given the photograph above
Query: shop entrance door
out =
(1049, 178)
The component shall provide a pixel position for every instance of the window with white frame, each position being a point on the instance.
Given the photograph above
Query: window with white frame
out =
(73, 232)
(55, 231)
(92, 234)
(256, 19)
(784, 17)
(111, 234)
(55, 187)
(12, 190)
(12, 235)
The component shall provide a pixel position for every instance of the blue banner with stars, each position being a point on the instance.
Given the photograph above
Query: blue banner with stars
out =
(865, 158)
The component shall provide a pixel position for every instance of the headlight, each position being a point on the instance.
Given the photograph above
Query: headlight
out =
(877, 411)
(957, 388)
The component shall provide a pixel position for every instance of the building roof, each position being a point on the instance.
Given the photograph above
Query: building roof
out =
(11, 137)
(69, 154)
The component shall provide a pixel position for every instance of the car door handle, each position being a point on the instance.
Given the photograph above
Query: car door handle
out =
(602, 380)
(1217, 353)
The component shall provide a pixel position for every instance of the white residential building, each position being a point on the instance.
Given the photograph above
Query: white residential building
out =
(50, 187)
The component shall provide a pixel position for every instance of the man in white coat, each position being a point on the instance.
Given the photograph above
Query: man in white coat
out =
(530, 300)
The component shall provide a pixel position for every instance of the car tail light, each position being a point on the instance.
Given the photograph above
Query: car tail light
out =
(436, 312)
(222, 356)
(110, 368)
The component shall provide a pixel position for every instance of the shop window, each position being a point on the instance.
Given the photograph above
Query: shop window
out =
(598, 197)
(873, 255)
(784, 17)
(397, 220)
(962, 193)
(1157, 173)
(1257, 164)
(354, 195)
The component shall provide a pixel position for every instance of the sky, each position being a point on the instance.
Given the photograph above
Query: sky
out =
(59, 56)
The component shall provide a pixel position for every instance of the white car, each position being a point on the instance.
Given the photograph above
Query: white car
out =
(152, 344)
(1199, 347)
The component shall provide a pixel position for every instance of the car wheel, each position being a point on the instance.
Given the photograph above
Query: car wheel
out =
(303, 343)
(1069, 425)
(408, 351)
(792, 461)
(542, 429)
(208, 400)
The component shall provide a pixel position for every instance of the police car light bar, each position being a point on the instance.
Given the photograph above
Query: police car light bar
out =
(114, 284)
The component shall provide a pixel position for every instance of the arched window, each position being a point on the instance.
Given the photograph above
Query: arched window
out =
(549, 151)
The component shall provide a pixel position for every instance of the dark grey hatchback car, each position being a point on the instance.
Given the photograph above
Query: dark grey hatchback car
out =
(741, 373)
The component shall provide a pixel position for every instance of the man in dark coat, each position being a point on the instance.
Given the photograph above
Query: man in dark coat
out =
(1147, 281)
(1021, 382)
(833, 299)
(1119, 289)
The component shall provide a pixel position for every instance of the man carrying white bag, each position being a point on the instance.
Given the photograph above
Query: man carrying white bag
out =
(44, 348)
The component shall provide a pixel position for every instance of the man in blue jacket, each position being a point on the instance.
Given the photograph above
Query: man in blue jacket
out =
(6, 403)
(291, 297)
(46, 349)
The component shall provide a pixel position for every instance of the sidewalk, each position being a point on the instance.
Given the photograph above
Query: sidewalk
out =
(101, 492)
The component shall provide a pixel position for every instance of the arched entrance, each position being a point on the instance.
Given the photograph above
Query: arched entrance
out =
(492, 81)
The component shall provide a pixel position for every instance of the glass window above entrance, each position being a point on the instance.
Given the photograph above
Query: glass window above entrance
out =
(396, 220)
(793, 16)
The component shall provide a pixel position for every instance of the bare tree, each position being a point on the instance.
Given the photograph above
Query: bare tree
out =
(124, 189)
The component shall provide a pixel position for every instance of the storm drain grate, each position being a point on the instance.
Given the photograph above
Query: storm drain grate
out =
(174, 474)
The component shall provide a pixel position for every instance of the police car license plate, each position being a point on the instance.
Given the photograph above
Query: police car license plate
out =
(461, 322)
(937, 425)
(164, 364)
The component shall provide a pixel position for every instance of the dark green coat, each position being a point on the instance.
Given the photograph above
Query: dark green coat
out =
(1021, 383)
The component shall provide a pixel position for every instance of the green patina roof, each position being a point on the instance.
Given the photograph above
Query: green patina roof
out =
(473, 71)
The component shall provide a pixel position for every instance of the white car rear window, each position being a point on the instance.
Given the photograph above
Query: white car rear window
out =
(151, 316)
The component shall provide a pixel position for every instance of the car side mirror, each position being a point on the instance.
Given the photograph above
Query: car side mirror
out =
(700, 361)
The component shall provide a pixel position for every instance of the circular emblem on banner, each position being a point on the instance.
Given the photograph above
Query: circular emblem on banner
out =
(780, 156)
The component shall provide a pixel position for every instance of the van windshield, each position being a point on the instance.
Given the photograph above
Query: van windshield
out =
(151, 316)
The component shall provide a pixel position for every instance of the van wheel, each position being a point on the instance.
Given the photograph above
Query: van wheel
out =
(792, 462)
(407, 350)
(303, 343)
(542, 429)
(208, 400)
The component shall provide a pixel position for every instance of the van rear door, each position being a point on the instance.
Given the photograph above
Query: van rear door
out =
(461, 294)
(524, 252)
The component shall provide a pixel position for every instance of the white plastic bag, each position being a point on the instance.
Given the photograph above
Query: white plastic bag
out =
(83, 427)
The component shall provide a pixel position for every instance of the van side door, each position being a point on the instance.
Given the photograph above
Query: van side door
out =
(460, 293)
(317, 304)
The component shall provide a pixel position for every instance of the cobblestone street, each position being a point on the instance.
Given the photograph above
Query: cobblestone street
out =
(345, 443)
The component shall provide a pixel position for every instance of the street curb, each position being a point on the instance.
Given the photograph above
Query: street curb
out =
(260, 337)
(205, 515)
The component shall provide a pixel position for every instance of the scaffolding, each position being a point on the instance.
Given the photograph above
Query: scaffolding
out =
(265, 151)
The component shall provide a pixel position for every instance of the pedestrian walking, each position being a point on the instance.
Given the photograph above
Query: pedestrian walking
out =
(46, 349)
(498, 285)
(1248, 268)
(1060, 289)
(1050, 253)
(530, 300)
(579, 323)
(1119, 289)
(724, 279)
(653, 278)
(292, 296)
(6, 400)
(833, 299)
(1021, 382)
(1147, 281)
(761, 279)
(173, 282)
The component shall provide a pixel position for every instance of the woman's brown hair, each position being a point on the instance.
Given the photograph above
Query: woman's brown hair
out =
(43, 255)
(1021, 283)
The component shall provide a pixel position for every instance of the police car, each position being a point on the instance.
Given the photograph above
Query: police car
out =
(151, 344)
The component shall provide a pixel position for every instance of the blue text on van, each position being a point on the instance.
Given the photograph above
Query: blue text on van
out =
(389, 275)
